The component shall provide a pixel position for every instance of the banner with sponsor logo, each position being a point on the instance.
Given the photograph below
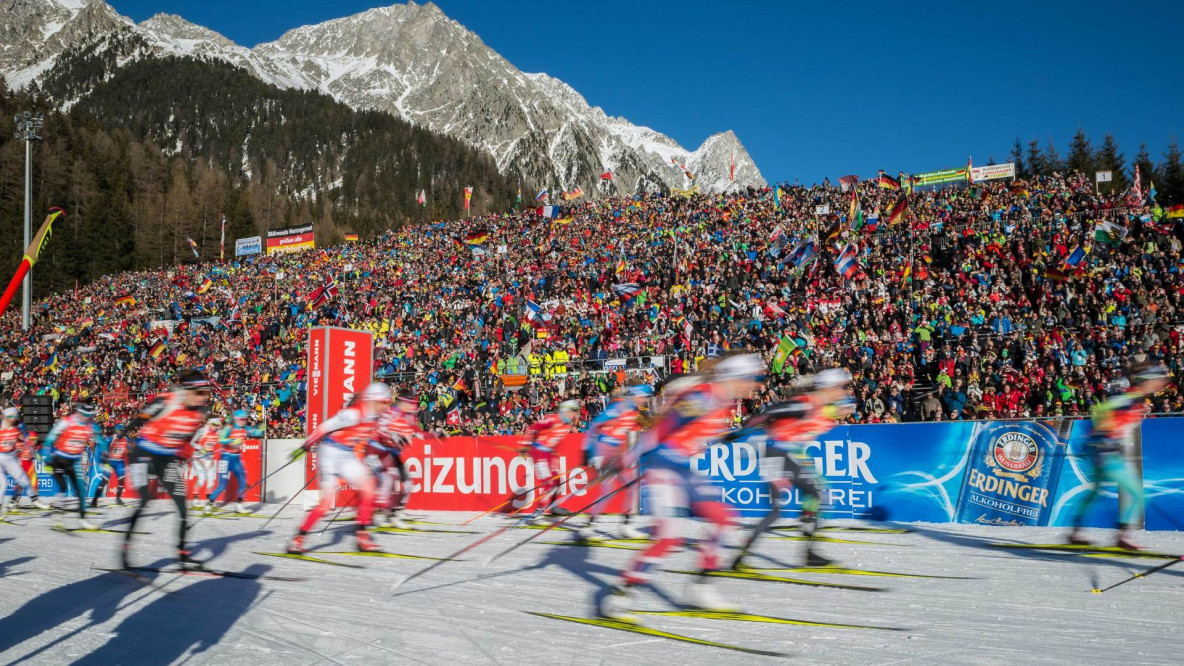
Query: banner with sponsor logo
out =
(94, 474)
(997, 473)
(939, 177)
(340, 361)
(248, 246)
(478, 473)
(292, 239)
(993, 172)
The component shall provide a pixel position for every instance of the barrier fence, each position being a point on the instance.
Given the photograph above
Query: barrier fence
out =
(1033, 472)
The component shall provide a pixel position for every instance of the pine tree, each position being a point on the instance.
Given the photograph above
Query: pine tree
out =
(1172, 175)
(1146, 168)
(1037, 165)
(1081, 155)
(1108, 158)
(1017, 158)
(1053, 158)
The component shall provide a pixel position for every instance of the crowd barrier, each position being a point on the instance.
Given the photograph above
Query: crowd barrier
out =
(981, 472)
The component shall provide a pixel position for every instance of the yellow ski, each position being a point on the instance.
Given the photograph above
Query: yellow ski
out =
(646, 631)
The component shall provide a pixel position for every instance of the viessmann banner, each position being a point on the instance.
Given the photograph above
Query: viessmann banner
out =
(293, 239)
(340, 361)
(996, 473)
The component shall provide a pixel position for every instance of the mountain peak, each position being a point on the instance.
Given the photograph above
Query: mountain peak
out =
(178, 28)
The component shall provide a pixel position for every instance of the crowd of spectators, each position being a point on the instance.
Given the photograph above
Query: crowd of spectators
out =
(964, 308)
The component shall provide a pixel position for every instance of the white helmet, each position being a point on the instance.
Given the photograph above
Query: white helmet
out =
(214, 421)
(740, 366)
(377, 392)
(831, 378)
(12, 413)
(571, 405)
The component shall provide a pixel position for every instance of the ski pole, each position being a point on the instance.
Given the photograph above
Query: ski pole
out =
(1144, 574)
(562, 520)
(333, 519)
(484, 539)
(294, 496)
(519, 495)
(250, 487)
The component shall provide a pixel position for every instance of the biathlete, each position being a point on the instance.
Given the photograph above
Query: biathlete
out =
(164, 431)
(545, 436)
(202, 464)
(786, 429)
(113, 464)
(396, 428)
(64, 447)
(695, 416)
(1114, 421)
(605, 443)
(232, 441)
(13, 438)
(342, 442)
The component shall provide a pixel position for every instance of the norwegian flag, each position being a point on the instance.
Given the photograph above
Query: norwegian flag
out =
(322, 294)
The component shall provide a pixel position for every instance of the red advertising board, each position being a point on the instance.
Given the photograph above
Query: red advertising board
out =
(252, 457)
(340, 362)
(478, 473)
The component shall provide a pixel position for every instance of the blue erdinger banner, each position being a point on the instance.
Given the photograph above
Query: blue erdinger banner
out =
(995, 473)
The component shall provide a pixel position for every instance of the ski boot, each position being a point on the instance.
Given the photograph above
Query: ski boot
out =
(701, 594)
(813, 559)
(560, 511)
(397, 522)
(615, 606)
(589, 533)
(1124, 541)
(366, 544)
(84, 524)
(296, 546)
(239, 508)
(186, 562)
(41, 505)
(629, 531)
(1075, 539)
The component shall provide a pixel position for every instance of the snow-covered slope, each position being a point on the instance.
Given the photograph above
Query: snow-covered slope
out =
(413, 61)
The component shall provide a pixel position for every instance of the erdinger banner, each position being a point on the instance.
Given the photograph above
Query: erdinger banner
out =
(294, 239)
(340, 361)
(478, 473)
(995, 473)
(252, 457)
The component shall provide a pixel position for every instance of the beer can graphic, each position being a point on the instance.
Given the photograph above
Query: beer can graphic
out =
(1012, 472)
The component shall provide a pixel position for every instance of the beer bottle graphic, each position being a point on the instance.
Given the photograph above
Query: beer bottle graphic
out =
(1012, 473)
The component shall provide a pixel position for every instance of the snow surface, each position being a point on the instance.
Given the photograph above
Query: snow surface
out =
(1019, 607)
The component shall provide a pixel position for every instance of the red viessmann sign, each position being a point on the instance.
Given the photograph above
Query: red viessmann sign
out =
(340, 361)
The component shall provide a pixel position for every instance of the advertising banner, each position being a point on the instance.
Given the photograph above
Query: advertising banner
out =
(292, 239)
(996, 473)
(993, 172)
(247, 246)
(340, 362)
(93, 475)
(938, 177)
(478, 473)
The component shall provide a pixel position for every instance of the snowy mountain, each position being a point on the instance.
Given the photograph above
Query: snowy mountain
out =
(415, 62)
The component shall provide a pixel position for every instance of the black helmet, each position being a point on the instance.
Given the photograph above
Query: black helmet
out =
(192, 379)
(1147, 372)
(85, 409)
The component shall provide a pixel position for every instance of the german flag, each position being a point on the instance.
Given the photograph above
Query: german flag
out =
(896, 215)
(1176, 211)
(1055, 274)
(157, 349)
(126, 299)
(205, 285)
(351, 238)
(477, 237)
(887, 182)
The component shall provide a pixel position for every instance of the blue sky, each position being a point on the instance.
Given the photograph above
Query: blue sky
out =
(822, 89)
